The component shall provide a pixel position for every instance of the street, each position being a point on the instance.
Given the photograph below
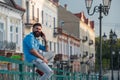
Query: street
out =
(115, 73)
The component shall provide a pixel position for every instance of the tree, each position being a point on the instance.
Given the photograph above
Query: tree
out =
(106, 54)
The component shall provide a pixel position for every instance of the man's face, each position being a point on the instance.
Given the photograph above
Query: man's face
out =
(37, 31)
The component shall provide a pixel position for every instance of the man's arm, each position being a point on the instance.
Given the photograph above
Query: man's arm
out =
(46, 45)
(35, 53)
(45, 41)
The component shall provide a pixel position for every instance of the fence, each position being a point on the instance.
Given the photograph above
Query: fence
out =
(11, 69)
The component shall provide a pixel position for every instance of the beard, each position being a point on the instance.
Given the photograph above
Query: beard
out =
(36, 34)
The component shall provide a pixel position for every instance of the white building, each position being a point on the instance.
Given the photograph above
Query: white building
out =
(10, 26)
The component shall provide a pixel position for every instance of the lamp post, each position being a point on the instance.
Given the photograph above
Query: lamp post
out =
(113, 39)
(101, 9)
(118, 64)
(112, 76)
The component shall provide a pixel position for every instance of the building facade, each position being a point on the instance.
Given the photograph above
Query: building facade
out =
(69, 41)
(10, 27)
(87, 48)
(44, 12)
(10, 31)
(69, 36)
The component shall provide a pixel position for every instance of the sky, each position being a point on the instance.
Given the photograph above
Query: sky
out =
(112, 21)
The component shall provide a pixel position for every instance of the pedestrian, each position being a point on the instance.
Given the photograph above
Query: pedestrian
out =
(31, 47)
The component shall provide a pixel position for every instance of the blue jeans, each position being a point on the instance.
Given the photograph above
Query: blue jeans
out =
(44, 68)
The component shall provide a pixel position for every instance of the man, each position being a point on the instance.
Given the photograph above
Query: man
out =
(31, 47)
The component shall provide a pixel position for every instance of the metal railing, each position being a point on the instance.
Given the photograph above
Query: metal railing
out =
(11, 69)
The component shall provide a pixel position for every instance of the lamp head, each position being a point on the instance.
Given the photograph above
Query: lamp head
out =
(107, 3)
(113, 52)
(114, 36)
(104, 37)
(88, 4)
(111, 34)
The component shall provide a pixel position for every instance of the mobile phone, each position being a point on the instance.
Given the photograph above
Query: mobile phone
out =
(42, 34)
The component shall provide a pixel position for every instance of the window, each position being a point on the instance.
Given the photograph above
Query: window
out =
(58, 47)
(37, 14)
(27, 11)
(54, 47)
(50, 45)
(42, 17)
(70, 50)
(46, 19)
(33, 12)
(1, 35)
(11, 33)
(54, 22)
(1, 32)
(17, 38)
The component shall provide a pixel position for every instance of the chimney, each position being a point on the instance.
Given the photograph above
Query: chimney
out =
(65, 6)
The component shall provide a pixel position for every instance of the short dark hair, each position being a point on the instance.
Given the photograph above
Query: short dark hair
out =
(37, 24)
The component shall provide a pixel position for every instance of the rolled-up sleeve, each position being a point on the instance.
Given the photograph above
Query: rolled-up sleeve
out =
(41, 47)
(30, 42)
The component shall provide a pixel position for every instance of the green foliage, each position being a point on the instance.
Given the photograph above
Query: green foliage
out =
(106, 53)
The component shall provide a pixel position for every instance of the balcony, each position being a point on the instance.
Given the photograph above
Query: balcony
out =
(85, 54)
(90, 42)
(30, 22)
(57, 31)
(85, 38)
(61, 57)
(73, 57)
(91, 56)
(7, 47)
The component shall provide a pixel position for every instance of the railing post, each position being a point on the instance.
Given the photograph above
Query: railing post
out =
(74, 76)
(33, 69)
(21, 71)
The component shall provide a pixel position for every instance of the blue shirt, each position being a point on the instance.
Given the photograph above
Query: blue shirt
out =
(29, 43)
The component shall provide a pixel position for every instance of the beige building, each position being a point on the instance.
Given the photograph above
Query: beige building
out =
(68, 24)
(60, 25)
(80, 27)
(68, 49)
(87, 47)
(44, 12)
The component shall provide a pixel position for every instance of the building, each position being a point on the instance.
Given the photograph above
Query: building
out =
(10, 28)
(44, 12)
(10, 31)
(68, 40)
(87, 47)
(68, 50)
(70, 36)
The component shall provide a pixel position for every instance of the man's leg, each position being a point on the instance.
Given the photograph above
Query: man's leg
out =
(48, 55)
(44, 68)
(39, 72)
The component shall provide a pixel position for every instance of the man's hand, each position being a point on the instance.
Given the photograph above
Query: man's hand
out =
(45, 41)
(43, 36)
(45, 60)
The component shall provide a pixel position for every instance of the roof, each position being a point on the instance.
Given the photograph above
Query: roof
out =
(12, 4)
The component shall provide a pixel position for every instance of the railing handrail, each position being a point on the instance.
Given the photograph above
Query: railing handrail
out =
(23, 74)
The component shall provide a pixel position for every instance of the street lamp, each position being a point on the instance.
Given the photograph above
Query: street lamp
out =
(113, 39)
(101, 9)
(112, 76)
(118, 64)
